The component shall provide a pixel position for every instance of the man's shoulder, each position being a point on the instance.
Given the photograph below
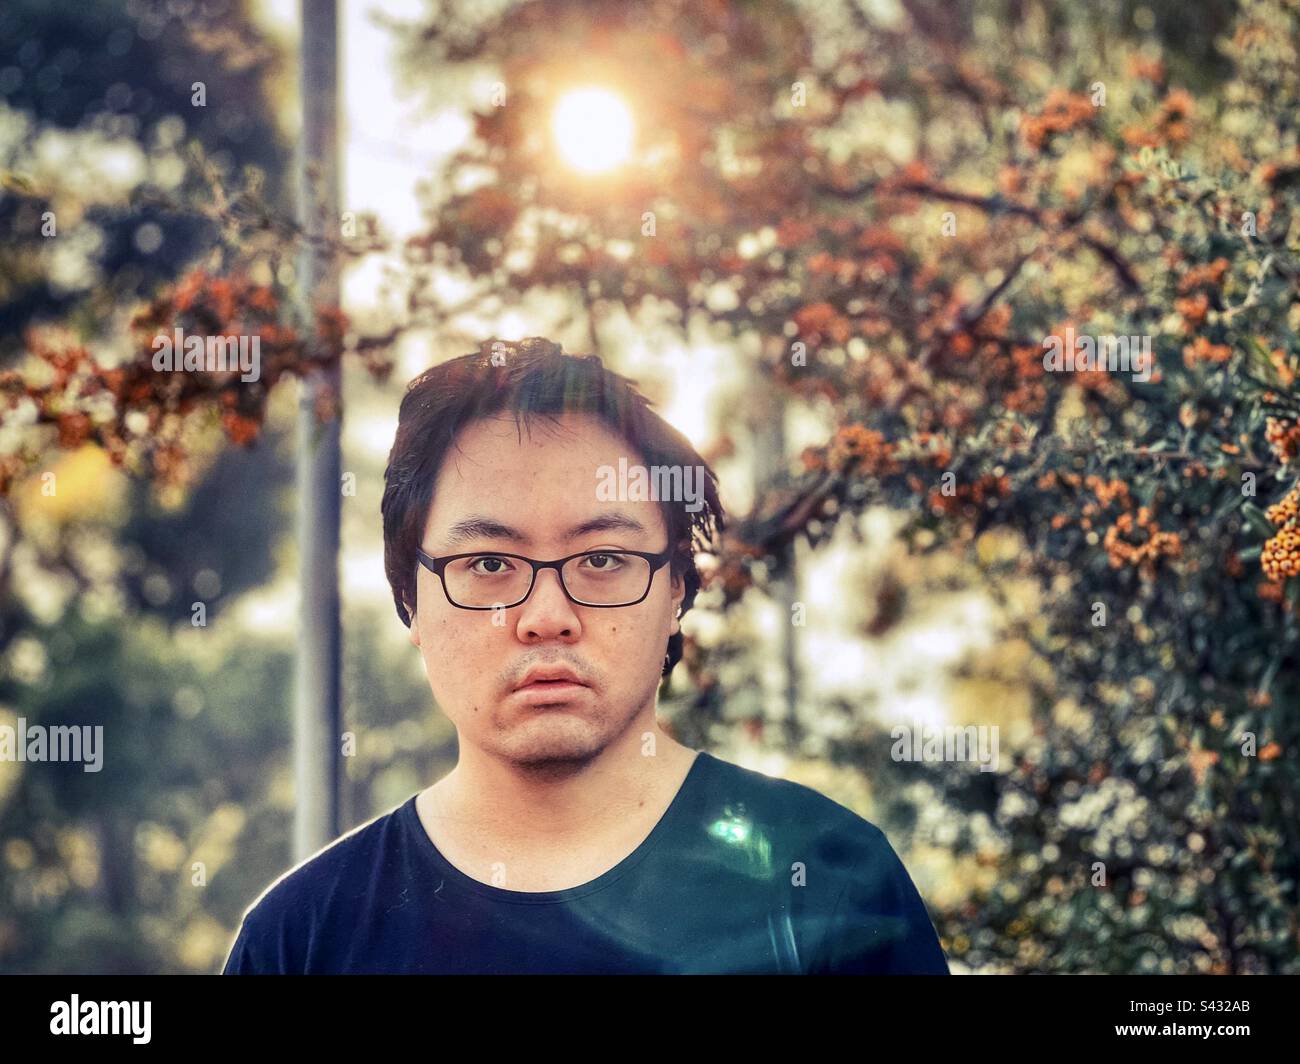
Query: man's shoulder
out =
(800, 809)
(868, 913)
(326, 876)
(297, 922)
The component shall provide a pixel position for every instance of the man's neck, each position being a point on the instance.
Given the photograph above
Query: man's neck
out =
(551, 831)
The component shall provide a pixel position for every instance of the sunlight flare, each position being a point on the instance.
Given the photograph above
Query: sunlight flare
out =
(593, 129)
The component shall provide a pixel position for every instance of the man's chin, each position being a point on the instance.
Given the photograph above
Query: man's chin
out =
(554, 742)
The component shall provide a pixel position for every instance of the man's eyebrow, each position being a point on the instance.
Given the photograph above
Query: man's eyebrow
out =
(478, 526)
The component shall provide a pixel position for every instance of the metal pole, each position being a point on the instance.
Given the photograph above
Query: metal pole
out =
(317, 714)
(769, 462)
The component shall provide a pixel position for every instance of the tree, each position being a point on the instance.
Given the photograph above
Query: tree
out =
(100, 577)
(898, 217)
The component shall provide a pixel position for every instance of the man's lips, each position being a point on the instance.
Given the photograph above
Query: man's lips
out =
(543, 693)
(550, 676)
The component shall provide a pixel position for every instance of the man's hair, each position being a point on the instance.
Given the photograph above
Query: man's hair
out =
(531, 378)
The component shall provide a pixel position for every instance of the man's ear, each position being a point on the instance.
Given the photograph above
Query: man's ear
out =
(678, 595)
(413, 630)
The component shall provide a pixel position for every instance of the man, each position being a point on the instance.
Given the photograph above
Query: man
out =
(574, 835)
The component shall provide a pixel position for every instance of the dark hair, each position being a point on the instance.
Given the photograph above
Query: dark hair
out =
(530, 378)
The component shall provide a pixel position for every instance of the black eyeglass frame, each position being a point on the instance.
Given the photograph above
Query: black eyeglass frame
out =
(437, 565)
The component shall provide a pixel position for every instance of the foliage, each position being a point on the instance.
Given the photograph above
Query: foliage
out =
(960, 183)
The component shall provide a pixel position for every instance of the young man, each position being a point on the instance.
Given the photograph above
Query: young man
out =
(544, 591)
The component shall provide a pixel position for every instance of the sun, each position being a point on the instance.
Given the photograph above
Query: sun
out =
(593, 129)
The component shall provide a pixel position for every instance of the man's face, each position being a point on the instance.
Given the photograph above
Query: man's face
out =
(542, 485)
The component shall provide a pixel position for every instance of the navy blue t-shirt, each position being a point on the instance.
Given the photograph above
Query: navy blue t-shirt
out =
(743, 873)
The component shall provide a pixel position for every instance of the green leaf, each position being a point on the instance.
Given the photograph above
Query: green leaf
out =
(1255, 517)
(1260, 359)
(1250, 553)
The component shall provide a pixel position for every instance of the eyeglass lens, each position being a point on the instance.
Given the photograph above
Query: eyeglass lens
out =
(599, 579)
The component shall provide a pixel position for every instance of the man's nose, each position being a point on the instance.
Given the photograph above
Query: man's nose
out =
(547, 610)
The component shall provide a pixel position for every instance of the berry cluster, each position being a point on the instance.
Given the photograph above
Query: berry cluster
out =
(862, 450)
(1280, 557)
(1201, 350)
(1062, 111)
(1137, 540)
(1283, 437)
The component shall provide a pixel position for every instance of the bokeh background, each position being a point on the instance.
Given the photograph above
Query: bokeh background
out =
(828, 240)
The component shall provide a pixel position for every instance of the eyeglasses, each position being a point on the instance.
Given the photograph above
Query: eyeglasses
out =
(601, 578)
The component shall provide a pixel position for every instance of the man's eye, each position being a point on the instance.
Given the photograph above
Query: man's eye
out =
(489, 559)
(610, 562)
